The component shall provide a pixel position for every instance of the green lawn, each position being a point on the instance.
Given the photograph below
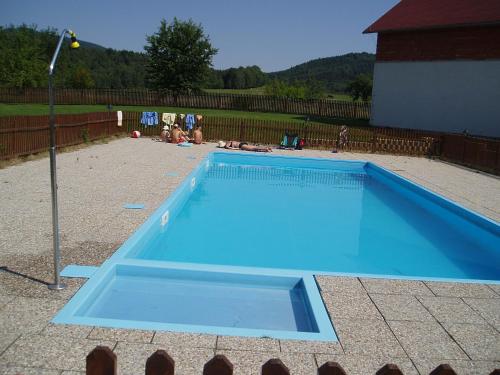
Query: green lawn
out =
(43, 109)
(260, 91)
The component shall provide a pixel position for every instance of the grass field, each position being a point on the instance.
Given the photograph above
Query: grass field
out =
(43, 109)
(260, 91)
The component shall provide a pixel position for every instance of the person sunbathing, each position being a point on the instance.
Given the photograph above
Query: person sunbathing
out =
(235, 145)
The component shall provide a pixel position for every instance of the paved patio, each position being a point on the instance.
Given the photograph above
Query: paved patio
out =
(416, 325)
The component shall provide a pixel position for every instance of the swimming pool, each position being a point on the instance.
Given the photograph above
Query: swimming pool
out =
(265, 224)
(322, 216)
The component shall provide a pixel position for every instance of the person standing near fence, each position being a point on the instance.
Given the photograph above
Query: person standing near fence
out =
(343, 137)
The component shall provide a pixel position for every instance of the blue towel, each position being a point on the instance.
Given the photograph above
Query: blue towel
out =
(133, 206)
(149, 118)
(190, 121)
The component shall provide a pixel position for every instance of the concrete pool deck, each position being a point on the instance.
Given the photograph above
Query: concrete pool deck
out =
(416, 325)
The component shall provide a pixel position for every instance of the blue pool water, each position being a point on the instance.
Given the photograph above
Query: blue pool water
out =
(343, 218)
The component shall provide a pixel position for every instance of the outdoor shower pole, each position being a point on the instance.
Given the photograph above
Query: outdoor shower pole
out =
(57, 285)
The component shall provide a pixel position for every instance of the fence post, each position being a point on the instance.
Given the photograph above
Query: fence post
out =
(443, 369)
(331, 368)
(101, 361)
(374, 140)
(218, 365)
(275, 367)
(242, 131)
(389, 369)
(160, 363)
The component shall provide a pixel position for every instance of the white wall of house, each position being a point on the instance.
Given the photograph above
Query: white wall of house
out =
(445, 96)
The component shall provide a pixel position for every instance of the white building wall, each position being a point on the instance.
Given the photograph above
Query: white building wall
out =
(448, 96)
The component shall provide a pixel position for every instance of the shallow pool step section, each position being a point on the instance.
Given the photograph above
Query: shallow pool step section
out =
(74, 270)
(130, 296)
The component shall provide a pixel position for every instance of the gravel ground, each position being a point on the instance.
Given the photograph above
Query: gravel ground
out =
(414, 324)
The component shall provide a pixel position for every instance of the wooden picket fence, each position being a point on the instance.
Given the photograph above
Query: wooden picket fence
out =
(254, 103)
(25, 135)
(316, 135)
(102, 361)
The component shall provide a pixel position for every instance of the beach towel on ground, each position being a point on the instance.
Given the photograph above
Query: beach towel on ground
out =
(149, 118)
(190, 121)
(119, 117)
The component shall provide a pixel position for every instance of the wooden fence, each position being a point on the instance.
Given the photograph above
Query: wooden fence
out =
(102, 361)
(316, 135)
(474, 152)
(24, 135)
(255, 103)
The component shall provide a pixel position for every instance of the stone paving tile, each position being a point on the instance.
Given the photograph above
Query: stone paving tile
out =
(461, 367)
(350, 306)
(451, 310)
(185, 340)
(6, 339)
(496, 288)
(451, 289)
(254, 344)
(9, 370)
(386, 286)
(68, 330)
(250, 363)
(300, 346)
(24, 314)
(132, 358)
(129, 335)
(50, 352)
(489, 309)
(367, 337)
(426, 340)
(401, 307)
(480, 342)
(333, 284)
(5, 298)
(364, 365)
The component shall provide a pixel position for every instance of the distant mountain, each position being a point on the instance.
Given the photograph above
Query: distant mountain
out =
(334, 72)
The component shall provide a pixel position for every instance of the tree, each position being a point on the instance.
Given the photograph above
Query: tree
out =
(180, 56)
(361, 87)
(81, 79)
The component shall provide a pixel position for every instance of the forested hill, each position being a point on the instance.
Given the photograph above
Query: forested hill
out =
(25, 53)
(334, 72)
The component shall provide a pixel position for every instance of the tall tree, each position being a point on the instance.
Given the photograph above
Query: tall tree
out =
(360, 88)
(180, 56)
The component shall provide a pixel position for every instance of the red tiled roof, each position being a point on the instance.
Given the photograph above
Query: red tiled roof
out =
(429, 14)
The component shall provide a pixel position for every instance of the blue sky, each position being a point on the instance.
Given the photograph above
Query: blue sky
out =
(274, 35)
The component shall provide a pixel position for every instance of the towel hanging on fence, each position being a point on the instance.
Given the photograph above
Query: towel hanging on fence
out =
(190, 121)
(168, 118)
(149, 118)
(119, 117)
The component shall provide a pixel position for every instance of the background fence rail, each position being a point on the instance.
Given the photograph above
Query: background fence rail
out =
(253, 103)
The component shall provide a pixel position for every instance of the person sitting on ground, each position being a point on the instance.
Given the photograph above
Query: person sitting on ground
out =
(235, 145)
(178, 136)
(165, 134)
(197, 135)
